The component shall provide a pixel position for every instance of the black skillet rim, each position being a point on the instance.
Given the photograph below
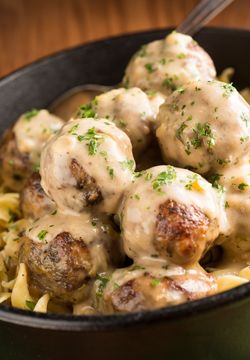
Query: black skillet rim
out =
(111, 322)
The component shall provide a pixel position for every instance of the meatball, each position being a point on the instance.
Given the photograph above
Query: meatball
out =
(143, 288)
(33, 200)
(15, 166)
(171, 213)
(63, 252)
(205, 126)
(89, 163)
(21, 147)
(165, 65)
(130, 110)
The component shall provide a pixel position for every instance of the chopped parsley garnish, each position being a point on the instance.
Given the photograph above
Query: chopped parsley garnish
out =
(103, 281)
(116, 286)
(155, 282)
(149, 67)
(242, 186)
(86, 111)
(93, 140)
(30, 114)
(165, 177)
(169, 83)
(73, 130)
(180, 130)
(193, 183)
(54, 212)
(222, 161)
(203, 131)
(137, 267)
(111, 172)
(36, 167)
(181, 56)
(42, 234)
(244, 138)
(137, 197)
(30, 305)
(181, 90)
(214, 179)
(227, 89)
(226, 205)
(128, 164)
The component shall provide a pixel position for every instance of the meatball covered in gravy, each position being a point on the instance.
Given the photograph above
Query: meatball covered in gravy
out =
(89, 163)
(204, 126)
(171, 213)
(130, 110)
(21, 147)
(165, 65)
(141, 288)
(62, 253)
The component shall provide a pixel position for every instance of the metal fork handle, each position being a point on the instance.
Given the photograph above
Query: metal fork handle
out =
(201, 14)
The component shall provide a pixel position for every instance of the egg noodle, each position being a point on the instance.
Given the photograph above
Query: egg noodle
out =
(14, 288)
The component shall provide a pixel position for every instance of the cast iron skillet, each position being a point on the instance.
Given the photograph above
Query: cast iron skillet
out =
(212, 328)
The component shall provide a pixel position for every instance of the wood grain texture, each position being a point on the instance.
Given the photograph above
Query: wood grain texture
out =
(30, 29)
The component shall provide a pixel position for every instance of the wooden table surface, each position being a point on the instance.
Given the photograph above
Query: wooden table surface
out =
(30, 29)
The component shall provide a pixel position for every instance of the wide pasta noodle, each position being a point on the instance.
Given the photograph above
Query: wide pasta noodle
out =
(42, 304)
(9, 208)
(20, 296)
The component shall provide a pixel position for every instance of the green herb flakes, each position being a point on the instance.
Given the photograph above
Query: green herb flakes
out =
(42, 235)
(242, 186)
(30, 305)
(228, 89)
(149, 67)
(128, 164)
(30, 114)
(165, 177)
(203, 131)
(86, 111)
(155, 282)
(111, 172)
(169, 83)
(102, 283)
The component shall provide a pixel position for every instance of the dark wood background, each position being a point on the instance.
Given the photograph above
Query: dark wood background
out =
(30, 29)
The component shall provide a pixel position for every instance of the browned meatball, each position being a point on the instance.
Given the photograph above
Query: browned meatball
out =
(135, 290)
(63, 252)
(63, 265)
(33, 201)
(15, 166)
(179, 229)
(172, 214)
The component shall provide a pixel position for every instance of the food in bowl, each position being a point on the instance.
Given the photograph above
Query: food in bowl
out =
(88, 233)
